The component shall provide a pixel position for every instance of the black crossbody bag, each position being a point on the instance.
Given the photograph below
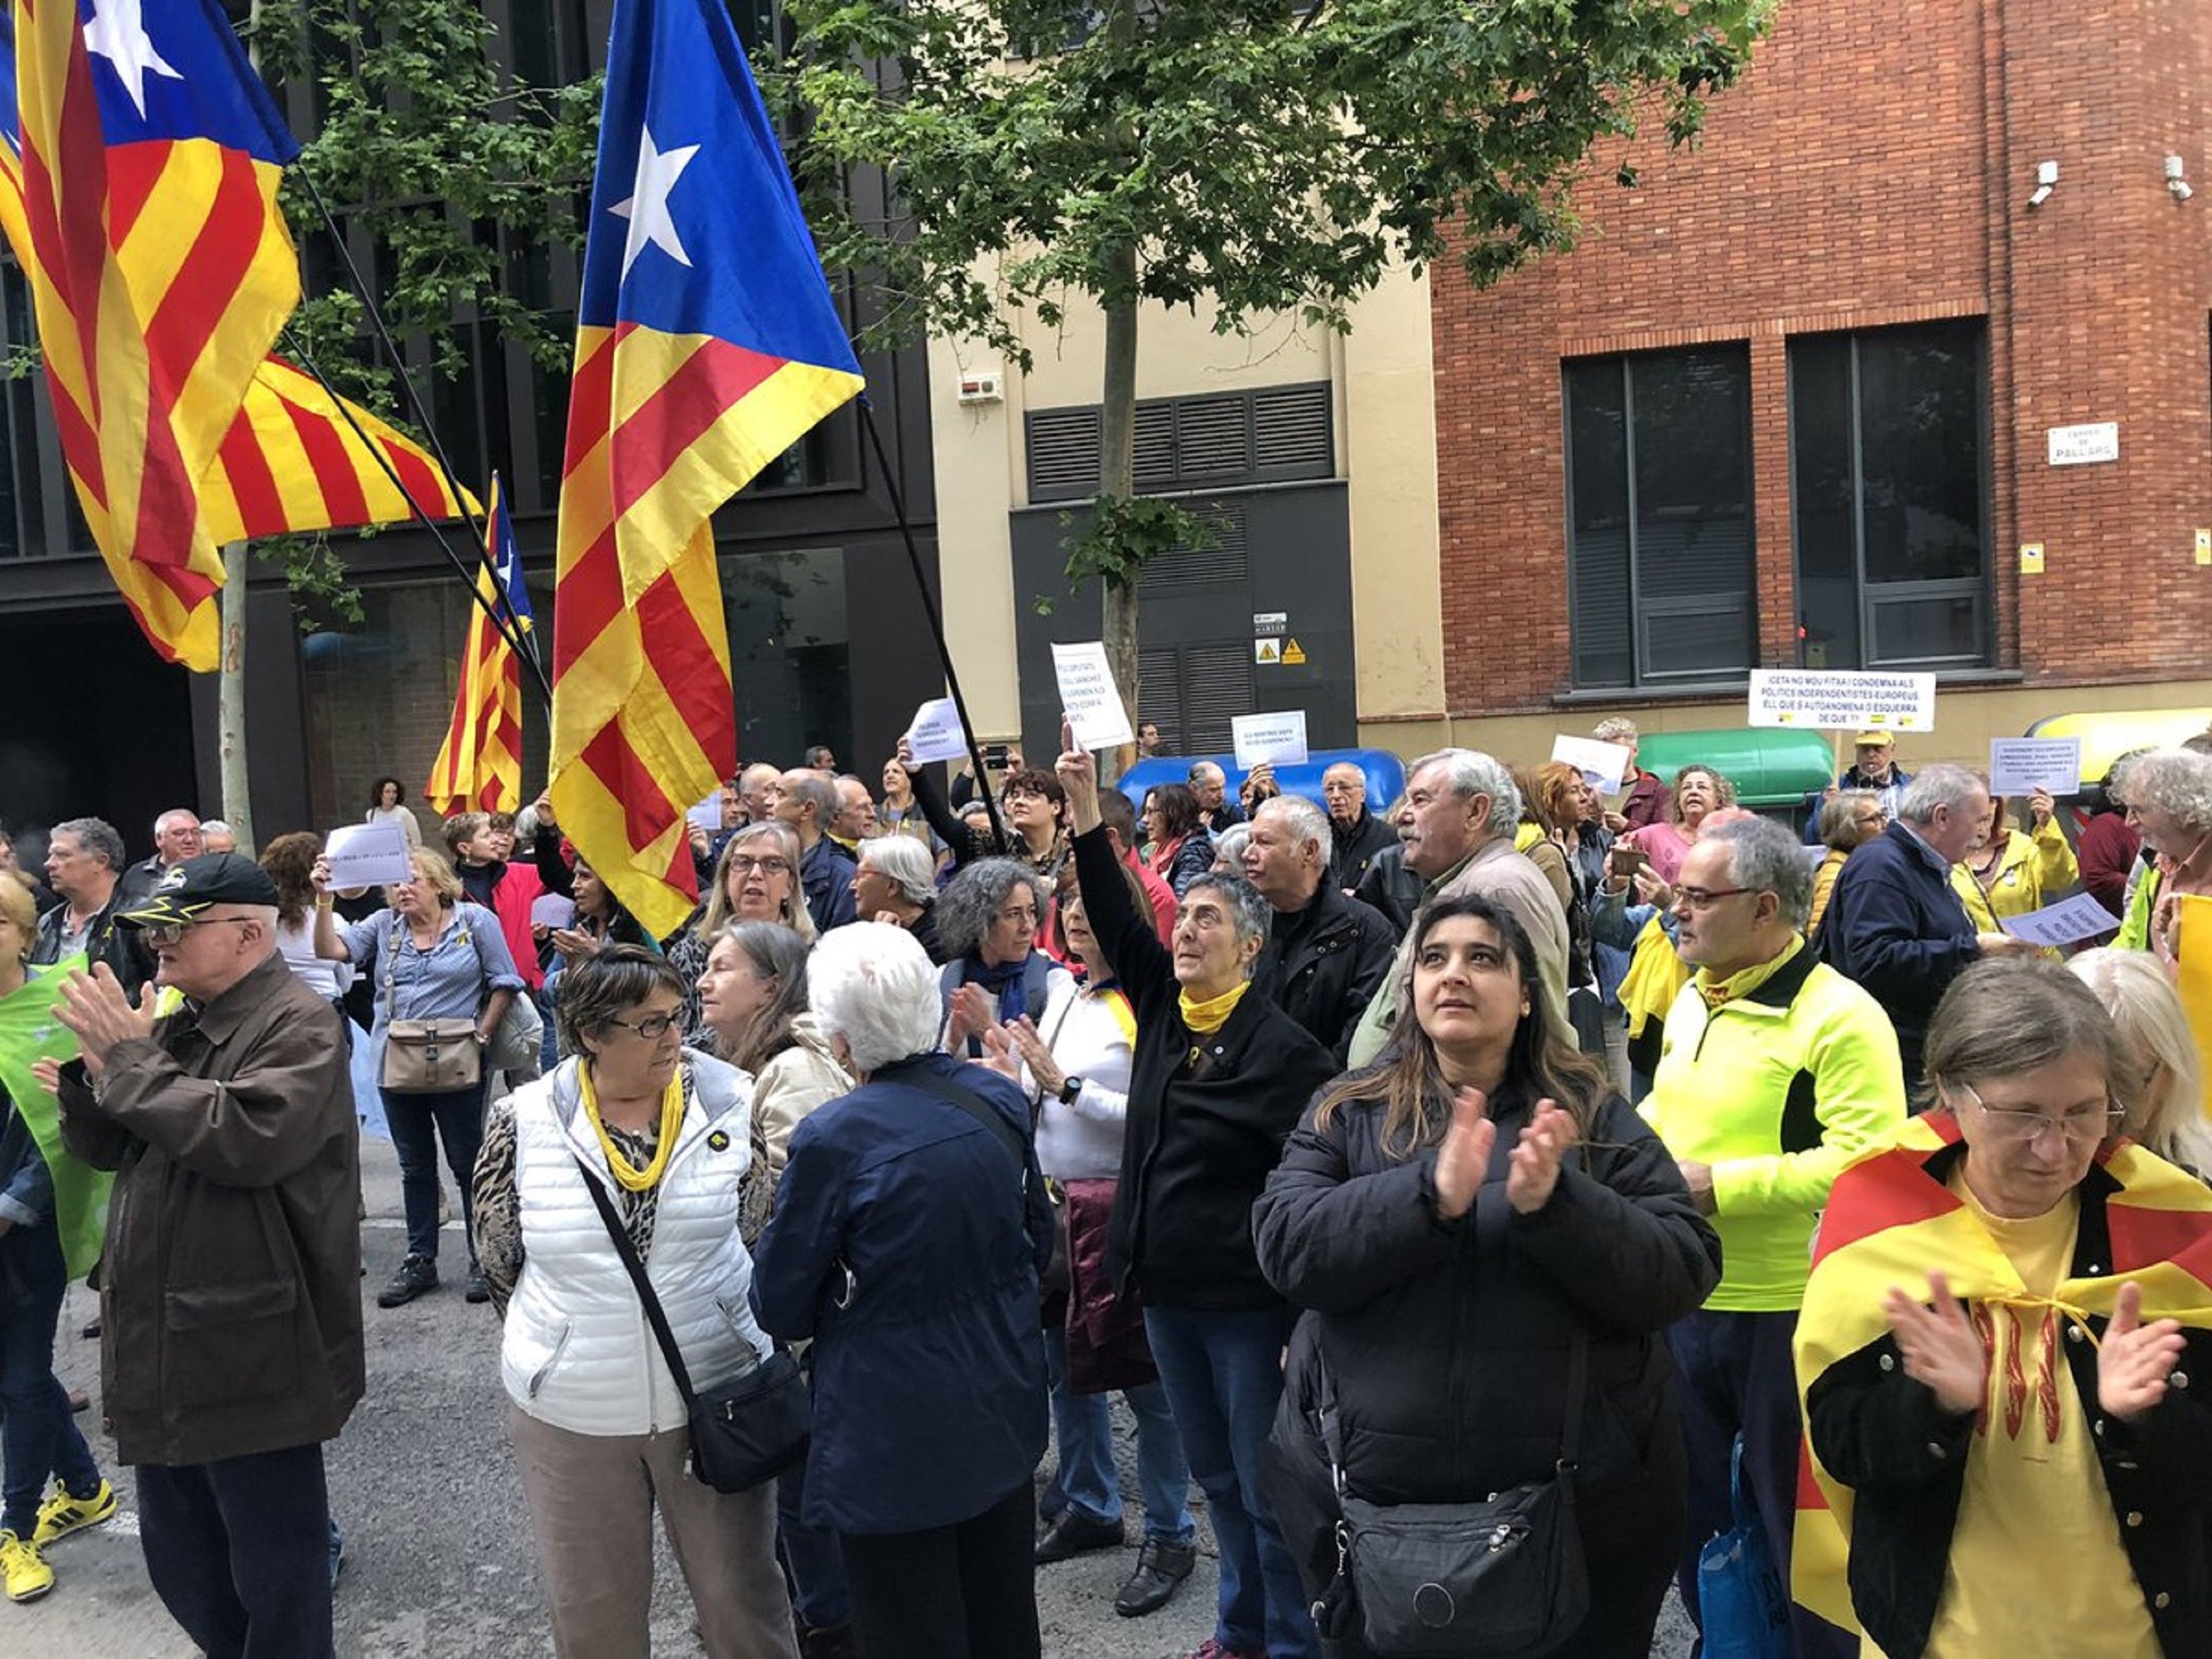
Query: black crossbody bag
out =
(1497, 1576)
(745, 1432)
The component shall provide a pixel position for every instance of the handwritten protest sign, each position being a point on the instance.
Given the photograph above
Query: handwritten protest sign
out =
(2020, 766)
(1263, 738)
(1089, 696)
(1836, 701)
(937, 733)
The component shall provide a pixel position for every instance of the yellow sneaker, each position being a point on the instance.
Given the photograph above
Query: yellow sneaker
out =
(23, 1570)
(62, 1515)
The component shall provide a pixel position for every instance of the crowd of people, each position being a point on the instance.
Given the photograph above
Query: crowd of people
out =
(1501, 1171)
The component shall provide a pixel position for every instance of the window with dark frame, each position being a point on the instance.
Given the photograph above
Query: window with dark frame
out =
(1660, 546)
(1889, 494)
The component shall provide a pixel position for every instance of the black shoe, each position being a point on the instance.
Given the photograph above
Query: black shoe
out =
(477, 1290)
(92, 1326)
(1160, 1570)
(417, 1274)
(831, 1642)
(1076, 1534)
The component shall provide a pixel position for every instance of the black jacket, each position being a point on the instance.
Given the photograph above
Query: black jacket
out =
(1324, 964)
(1208, 1114)
(1882, 1434)
(1448, 1341)
(123, 949)
(1352, 850)
(1896, 927)
(1390, 889)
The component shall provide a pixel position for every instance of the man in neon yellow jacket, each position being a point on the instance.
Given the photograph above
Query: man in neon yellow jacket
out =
(1774, 1072)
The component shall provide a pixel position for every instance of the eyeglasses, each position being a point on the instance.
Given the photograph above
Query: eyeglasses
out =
(745, 864)
(159, 933)
(2024, 1126)
(652, 1028)
(1704, 898)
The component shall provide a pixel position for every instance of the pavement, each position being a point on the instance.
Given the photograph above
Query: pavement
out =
(439, 1562)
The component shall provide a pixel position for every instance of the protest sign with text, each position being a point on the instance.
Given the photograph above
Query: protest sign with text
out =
(2020, 766)
(1088, 696)
(1837, 701)
(1261, 740)
(367, 855)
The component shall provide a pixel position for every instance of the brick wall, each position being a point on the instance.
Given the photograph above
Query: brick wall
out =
(1873, 169)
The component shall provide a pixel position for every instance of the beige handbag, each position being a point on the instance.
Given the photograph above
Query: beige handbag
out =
(426, 1056)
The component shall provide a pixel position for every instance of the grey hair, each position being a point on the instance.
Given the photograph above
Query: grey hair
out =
(1619, 728)
(1767, 859)
(1199, 769)
(2176, 781)
(1229, 847)
(813, 787)
(1472, 772)
(1839, 819)
(216, 827)
(970, 901)
(176, 812)
(96, 835)
(872, 986)
(1305, 821)
(2160, 1094)
(1940, 785)
(596, 989)
(907, 862)
(1251, 914)
(2007, 1016)
(797, 916)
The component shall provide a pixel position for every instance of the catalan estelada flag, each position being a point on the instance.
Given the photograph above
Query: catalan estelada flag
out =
(479, 766)
(1891, 1219)
(160, 272)
(707, 343)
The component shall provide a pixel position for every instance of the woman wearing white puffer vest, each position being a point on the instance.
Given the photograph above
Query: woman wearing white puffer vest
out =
(597, 1423)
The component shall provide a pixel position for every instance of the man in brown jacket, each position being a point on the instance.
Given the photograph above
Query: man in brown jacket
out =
(230, 1290)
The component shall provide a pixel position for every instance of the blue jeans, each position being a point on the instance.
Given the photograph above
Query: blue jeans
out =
(1083, 1429)
(38, 1435)
(419, 1124)
(1223, 1370)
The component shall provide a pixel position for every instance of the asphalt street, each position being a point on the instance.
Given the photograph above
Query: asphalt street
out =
(439, 1562)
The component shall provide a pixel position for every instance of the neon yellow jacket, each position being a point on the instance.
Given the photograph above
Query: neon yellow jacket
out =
(2031, 873)
(1777, 1090)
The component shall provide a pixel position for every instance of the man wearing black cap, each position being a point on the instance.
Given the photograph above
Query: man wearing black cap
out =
(230, 1291)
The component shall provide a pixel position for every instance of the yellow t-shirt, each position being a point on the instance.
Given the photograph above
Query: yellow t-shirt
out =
(2034, 1512)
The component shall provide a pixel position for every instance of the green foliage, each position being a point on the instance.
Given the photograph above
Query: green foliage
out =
(1128, 532)
(1270, 160)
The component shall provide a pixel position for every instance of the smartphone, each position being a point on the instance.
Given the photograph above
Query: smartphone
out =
(1627, 861)
(996, 754)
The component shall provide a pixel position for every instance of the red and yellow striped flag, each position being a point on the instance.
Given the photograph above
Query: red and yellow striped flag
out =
(707, 343)
(479, 765)
(160, 271)
(1890, 1220)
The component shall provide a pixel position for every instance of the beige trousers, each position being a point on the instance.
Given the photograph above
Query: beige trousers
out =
(590, 1500)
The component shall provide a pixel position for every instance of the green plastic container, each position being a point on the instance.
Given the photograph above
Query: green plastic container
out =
(1770, 769)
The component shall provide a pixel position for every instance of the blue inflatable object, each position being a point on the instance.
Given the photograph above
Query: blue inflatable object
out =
(1385, 774)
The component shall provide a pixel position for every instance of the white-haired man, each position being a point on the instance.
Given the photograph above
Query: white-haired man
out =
(1326, 954)
(176, 838)
(1457, 826)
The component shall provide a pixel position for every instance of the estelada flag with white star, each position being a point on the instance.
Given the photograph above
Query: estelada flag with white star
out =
(479, 765)
(160, 272)
(707, 345)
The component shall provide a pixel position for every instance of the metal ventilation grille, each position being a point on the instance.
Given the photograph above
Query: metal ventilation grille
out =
(1217, 686)
(1159, 698)
(1290, 431)
(1224, 558)
(1235, 438)
(1063, 450)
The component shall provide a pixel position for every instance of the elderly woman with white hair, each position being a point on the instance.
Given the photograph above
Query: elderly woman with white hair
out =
(2169, 797)
(910, 1228)
(2158, 1096)
(894, 881)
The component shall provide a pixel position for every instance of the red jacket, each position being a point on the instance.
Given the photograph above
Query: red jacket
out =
(518, 890)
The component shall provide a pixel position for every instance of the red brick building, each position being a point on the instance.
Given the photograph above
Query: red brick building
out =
(1807, 374)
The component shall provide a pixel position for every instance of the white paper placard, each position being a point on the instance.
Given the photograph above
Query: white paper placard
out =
(1836, 700)
(2020, 766)
(552, 910)
(708, 814)
(936, 733)
(367, 855)
(1264, 739)
(2076, 918)
(1604, 764)
(1088, 698)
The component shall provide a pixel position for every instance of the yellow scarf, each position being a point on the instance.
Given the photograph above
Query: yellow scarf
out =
(1719, 993)
(628, 1176)
(1204, 1019)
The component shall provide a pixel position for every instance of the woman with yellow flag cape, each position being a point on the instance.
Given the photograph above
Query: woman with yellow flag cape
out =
(53, 1209)
(2007, 1309)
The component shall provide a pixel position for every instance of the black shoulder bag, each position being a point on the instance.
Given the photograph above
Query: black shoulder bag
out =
(1502, 1575)
(745, 1432)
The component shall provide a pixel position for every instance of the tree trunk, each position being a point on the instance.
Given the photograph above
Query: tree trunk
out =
(1117, 481)
(230, 699)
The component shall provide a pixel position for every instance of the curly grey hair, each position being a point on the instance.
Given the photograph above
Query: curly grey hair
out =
(2175, 781)
(97, 836)
(1251, 915)
(1471, 772)
(971, 901)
